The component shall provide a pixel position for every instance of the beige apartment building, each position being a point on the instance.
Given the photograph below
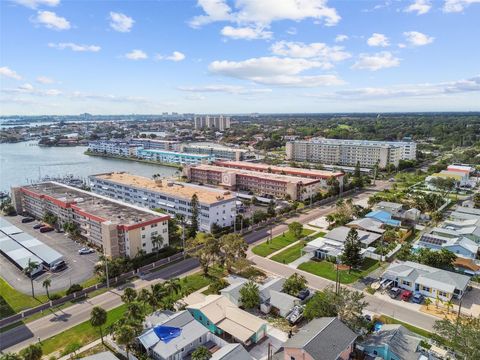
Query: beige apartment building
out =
(219, 122)
(119, 229)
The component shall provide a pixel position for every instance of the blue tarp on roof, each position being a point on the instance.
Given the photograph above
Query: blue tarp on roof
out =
(384, 217)
(167, 333)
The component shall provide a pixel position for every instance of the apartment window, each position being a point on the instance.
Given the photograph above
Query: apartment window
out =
(406, 283)
(143, 227)
(442, 293)
(424, 288)
(143, 236)
(144, 244)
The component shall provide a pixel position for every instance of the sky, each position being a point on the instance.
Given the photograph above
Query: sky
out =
(61, 57)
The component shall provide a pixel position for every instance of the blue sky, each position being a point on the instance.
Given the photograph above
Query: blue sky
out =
(211, 56)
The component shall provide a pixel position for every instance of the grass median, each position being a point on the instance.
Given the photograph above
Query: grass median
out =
(327, 270)
(278, 242)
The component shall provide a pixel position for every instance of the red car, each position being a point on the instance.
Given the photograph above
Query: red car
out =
(45, 229)
(406, 295)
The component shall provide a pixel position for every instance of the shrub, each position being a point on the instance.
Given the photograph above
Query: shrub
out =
(74, 288)
(55, 297)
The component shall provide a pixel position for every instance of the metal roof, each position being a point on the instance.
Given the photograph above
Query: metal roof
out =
(17, 253)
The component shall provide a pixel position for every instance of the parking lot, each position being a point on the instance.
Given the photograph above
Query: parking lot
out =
(79, 267)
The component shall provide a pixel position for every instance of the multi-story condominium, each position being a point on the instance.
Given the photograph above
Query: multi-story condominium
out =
(219, 122)
(262, 184)
(113, 147)
(220, 153)
(350, 152)
(119, 229)
(323, 176)
(216, 206)
(168, 145)
(172, 157)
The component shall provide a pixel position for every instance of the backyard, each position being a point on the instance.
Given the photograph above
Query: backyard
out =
(278, 242)
(293, 252)
(327, 270)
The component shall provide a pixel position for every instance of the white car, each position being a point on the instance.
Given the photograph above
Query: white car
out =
(85, 251)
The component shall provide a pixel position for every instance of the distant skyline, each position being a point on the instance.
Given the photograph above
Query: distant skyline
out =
(216, 56)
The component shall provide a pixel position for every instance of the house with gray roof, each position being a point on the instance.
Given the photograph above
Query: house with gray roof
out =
(324, 338)
(441, 238)
(392, 342)
(192, 335)
(231, 352)
(427, 280)
(367, 224)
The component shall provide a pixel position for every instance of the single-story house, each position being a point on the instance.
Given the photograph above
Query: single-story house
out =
(470, 228)
(384, 217)
(223, 318)
(449, 240)
(367, 224)
(324, 338)
(392, 208)
(271, 295)
(467, 210)
(427, 280)
(392, 342)
(467, 266)
(104, 355)
(231, 352)
(191, 335)
(332, 243)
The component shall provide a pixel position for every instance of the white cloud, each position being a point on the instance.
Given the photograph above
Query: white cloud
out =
(416, 38)
(413, 90)
(33, 4)
(419, 6)
(222, 88)
(451, 6)
(75, 47)
(29, 89)
(7, 72)
(264, 12)
(176, 56)
(45, 80)
(378, 40)
(316, 51)
(51, 20)
(136, 54)
(121, 22)
(341, 38)
(274, 71)
(291, 31)
(374, 62)
(402, 45)
(246, 33)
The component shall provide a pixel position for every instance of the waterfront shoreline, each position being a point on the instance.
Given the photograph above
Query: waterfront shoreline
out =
(91, 153)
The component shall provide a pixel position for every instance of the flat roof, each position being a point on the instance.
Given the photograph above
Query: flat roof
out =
(214, 148)
(16, 252)
(89, 204)
(277, 177)
(178, 189)
(286, 169)
(165, 152)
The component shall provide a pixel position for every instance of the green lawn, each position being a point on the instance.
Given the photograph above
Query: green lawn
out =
(293, 252)
(389, 320)
(277, 243)
(326, 270)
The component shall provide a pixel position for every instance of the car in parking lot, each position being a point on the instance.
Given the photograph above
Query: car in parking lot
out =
(59, 266)
(406, 295)
(394, 292)
(38, 226)
(27, 220)
(418, 299)
(85, 251)
(46, 228)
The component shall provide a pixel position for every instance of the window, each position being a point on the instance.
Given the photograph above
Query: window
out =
(442, 293)
(426, 289)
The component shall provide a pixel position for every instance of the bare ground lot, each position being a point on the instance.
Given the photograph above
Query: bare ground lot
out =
(79, 267)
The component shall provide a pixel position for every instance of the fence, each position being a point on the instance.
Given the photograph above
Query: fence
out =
(83, 293)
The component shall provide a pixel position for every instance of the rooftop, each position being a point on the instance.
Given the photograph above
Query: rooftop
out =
(324, 174)
(359, 142)
(103, 208)
(178, 189)
(174, 153)
(277, 177)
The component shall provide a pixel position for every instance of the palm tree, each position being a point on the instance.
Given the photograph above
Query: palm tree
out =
(129, 295)
(134, 311)
(428, 302)
(157, 242)
(144, 296)
(46, 284)
(172, 286)
(449, 305)
(201, 353)
(98, 318)
(125, 335)
(437, 301)
(31, 267)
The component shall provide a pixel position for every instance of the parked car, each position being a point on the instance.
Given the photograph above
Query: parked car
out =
(27, 220)
(303, 294)
(45, 229)
(418, 298)
(59, 266)
(394, 292)
(85, 251)
(38, 226)
(406, 295)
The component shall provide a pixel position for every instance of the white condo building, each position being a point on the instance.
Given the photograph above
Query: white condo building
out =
(216, 206)
(349, 152)
(219, 122)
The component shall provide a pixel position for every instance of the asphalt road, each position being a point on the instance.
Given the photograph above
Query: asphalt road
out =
(59, 321)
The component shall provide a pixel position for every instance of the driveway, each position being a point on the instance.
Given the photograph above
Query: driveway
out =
(275, 338)
(79, 267)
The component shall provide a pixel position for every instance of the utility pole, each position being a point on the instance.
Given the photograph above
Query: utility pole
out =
(458, 319)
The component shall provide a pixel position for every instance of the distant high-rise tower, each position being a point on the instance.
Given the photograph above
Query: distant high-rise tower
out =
(219, 122)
